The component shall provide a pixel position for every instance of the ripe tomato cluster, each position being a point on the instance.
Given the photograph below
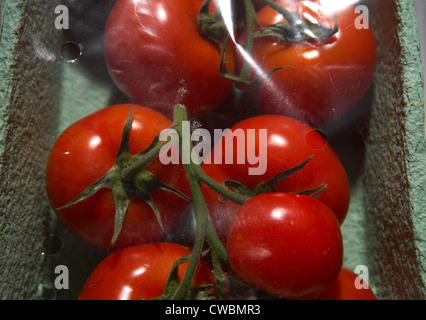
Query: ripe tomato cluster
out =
(270, 201)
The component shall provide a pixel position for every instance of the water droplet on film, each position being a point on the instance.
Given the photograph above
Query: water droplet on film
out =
(52, 245)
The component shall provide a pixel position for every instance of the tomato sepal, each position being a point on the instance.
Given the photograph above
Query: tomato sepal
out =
(211, 26)
(271, 184)
(295, 28)
(200, 292)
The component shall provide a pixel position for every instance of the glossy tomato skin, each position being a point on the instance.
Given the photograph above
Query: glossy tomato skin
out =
(288, 245)
(140, 272)
(344, 288)
(85, 151)
(157, 57)
(289, 143)
(327, 77)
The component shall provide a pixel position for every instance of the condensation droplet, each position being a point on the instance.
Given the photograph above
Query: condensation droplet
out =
(318, 242)
(64, 144)
(316, 139)
(52, 245)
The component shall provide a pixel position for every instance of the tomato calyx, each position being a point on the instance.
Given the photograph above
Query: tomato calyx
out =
(211, 26)
(304, 30)
(128, 178)
(202, 292)
(295, 28)
(270, 185)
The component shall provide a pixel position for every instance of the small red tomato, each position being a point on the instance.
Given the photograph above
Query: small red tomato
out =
(140, 272)
(327, 77)
(344, 288)
(84, 153)
(157, 57)
(288, 245)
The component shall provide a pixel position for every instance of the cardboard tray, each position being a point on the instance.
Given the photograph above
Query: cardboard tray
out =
(41, 94)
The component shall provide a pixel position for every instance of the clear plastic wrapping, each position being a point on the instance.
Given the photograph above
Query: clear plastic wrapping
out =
(232, 135)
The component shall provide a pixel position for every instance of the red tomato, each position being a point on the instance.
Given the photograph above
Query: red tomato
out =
(157, 57)
(328, 77)
(344, 288)
(85, 151)
(288, 143)
(140, 272)
(288, 245)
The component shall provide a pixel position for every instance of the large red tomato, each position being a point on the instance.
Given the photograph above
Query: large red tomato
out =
(85, 151)
(327, 77)
(140, 272)
(157, 57)
(288, 245)
(286, 144)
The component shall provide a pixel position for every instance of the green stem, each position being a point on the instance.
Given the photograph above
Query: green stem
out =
(219, 274)
(220, 188)
(195, 173)
(203, 222)
(251, 20)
